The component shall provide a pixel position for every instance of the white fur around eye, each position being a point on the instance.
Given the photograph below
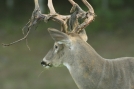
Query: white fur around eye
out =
(56, 50)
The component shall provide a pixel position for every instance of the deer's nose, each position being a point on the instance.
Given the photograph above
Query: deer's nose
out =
(43, 63)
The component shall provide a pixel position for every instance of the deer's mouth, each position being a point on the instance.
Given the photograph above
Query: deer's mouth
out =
(46, 65)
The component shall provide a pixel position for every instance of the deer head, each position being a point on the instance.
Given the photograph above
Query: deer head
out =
(65, 38)
(63, 47)
(71, 34)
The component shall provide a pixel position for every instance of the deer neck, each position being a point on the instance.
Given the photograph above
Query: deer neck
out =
(83, 55)
(84, 65)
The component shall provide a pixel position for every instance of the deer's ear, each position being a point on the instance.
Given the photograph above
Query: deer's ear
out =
(59, 36)
(83, 35)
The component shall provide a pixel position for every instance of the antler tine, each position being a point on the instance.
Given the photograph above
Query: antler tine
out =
(77, 13)
(51, 7)
(59, 18)
(88, 6)
(75, 6)
(36, 4)
(89, 17)
(72, 2)
(53, 15)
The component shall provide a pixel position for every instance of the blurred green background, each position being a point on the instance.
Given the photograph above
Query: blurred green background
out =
(111, 35)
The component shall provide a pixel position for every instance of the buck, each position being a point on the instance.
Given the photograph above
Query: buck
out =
(88, 69)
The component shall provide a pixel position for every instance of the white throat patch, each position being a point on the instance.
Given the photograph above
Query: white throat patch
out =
(67, 65)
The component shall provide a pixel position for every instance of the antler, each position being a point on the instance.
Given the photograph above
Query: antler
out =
(74, 25)
(79, 13)
(62, 19)
(89, 16)
(37, 16)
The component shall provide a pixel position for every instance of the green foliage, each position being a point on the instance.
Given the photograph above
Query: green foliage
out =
(114, 17)
(116, 2)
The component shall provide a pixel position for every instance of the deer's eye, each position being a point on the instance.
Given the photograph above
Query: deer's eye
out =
(56, 46)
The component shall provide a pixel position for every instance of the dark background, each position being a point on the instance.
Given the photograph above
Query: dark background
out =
(111, 35)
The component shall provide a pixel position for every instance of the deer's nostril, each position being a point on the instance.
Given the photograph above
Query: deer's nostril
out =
(43, 63)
